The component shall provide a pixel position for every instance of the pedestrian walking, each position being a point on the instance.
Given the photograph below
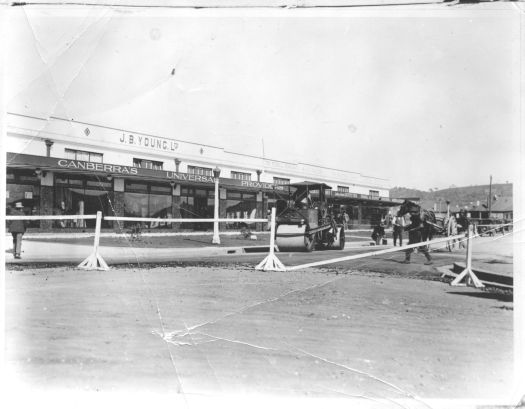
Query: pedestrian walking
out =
(415, 235)
(398, 225)
(17, 228)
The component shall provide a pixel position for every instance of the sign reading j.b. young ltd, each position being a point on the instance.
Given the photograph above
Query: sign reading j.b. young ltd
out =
(97, 167)
(150, 142)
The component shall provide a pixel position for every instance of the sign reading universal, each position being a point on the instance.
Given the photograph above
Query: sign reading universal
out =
(151, 142)
(97, 167)
(189, 177)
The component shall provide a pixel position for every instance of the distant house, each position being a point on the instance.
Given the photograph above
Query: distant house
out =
(501, 208)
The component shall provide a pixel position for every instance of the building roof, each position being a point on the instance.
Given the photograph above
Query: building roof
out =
(502, 204)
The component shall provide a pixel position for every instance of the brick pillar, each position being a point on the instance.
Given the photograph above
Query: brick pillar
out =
(47, 199)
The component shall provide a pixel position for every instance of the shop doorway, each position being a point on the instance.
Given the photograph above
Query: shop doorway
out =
(93, 202)
(202, 212)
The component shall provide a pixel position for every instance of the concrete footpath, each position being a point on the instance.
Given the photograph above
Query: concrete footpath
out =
(73, 249)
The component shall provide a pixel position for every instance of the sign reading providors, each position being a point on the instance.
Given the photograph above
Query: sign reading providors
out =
(260, 185)
(97, 167)
(150, 142)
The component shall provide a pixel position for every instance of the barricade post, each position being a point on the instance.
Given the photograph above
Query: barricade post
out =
(95, 261)
(467, 272)
(271, 262)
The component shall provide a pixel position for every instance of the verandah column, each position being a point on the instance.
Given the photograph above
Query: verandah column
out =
(47, 198)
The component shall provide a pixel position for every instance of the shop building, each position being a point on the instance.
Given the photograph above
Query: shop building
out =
(57, 166)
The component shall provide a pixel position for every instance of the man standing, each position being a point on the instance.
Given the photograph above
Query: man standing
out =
(415, 235)
(17, 228)
(398, 224)
(463, 225)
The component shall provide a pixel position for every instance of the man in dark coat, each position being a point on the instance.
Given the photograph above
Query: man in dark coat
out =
(415, 235)
(17, 228)
(463, 225)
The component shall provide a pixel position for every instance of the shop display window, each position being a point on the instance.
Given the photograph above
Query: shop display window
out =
(75, 195)
(240, 205)
(148, 200)
(197, 203)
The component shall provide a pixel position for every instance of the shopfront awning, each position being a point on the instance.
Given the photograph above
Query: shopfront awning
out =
(62, 165)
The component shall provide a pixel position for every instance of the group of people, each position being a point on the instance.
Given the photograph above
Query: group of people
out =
(415, 226)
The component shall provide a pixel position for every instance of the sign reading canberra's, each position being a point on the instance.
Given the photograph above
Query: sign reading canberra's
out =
(151, 142)
(97, 167)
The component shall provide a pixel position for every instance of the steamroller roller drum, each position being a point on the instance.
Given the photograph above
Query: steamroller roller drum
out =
(291, 237)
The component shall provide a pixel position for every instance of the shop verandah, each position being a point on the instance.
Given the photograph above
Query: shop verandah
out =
(54, 186)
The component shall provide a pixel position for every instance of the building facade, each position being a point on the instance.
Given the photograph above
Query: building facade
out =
(58, 166)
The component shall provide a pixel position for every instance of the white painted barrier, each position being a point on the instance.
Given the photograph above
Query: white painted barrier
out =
(95, 261)
(467, 272)
(271, 262)
(372, 253)
(186, 220)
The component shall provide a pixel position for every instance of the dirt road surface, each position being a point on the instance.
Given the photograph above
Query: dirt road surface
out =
(215, 331)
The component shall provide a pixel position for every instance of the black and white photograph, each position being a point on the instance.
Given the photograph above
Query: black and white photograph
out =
(248, 203)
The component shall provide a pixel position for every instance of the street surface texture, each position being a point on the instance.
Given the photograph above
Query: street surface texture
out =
(372, 331)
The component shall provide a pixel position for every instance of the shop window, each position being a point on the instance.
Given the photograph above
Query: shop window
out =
(240, 205)
(148, 200)
(28, 178)
(161, 189)
(196, 204)
(99, 184)
(147, 164)
(196, 170)
(136, 187)
(75, 196)
(201, 193)
(83, 155)
(241, 175)
(76, 182)
(281, 181)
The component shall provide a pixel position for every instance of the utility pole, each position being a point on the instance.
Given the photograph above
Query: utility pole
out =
(490, 195)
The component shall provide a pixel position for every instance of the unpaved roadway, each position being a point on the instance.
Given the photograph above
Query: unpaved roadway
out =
(205, 329)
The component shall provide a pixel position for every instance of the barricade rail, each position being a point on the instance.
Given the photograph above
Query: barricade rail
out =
(53, 217)
(95, 261)
(271, 262)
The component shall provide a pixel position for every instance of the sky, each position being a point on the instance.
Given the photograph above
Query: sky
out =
(426, 98)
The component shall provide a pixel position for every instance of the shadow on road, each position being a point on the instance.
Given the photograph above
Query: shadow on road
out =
(500, 296)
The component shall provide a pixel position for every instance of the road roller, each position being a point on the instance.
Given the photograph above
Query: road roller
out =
(307, 222)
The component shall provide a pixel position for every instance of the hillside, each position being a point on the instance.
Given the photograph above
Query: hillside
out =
(462, 196)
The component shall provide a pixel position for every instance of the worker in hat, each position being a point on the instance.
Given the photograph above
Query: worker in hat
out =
(415, 235)
(463, 225)
(17, 228)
